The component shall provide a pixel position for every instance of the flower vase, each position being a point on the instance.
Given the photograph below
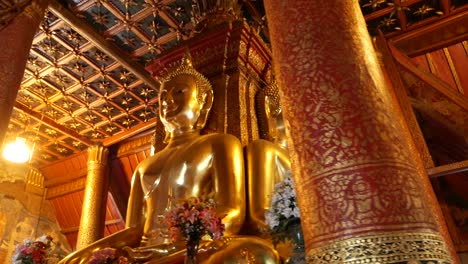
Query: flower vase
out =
(192, 250)
(294, 233)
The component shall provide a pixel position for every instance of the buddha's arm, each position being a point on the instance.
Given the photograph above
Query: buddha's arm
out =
(267, 164)
(229, 183)
(135, 215)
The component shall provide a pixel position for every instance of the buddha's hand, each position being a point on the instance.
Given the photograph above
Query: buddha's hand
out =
(142, 254)
(215, 245)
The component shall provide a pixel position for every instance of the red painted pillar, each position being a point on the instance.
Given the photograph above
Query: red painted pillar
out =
(15, 42)
(361, 196)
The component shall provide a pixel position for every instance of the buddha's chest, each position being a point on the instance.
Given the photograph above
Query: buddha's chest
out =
(179, 174)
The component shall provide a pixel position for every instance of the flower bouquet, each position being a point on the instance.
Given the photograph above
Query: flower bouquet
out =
(107, 256)
(33, 252)
(283, 206)
(283, 219)
(192, 219)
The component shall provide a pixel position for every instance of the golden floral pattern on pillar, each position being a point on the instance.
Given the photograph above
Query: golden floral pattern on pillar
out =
(351, 202)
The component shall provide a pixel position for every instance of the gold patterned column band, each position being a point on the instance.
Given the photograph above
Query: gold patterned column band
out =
(411, 248)
(93, 214)
(367, 197)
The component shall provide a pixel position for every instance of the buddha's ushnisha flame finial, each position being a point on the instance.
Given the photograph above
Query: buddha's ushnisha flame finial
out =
(186, 68)
(187, 59)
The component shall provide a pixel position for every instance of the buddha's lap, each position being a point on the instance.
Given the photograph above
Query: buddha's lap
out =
(245, 249)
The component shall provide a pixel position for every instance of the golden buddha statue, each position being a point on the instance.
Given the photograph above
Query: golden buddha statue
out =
(267, 162)
(191, 165)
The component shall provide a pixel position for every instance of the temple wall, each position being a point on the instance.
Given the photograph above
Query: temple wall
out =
(24, 214)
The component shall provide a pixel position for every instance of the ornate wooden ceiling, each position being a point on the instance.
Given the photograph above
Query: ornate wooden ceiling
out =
(85, 80)
(397, 16)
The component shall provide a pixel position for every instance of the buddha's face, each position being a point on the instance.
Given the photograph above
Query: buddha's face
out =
(179, 108)
(276, 126)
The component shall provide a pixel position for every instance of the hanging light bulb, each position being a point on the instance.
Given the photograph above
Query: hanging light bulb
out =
(17, 151)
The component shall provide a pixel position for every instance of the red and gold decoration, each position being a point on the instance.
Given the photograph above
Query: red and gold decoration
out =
(361, 196)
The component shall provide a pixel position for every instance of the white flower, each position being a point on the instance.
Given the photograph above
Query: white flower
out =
(283, 205)
(44, 239)
(296, 212)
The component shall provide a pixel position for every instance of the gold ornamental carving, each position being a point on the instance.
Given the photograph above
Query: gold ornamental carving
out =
(35, 10)
(35, 181)
(10, 9)
(208, 13)
(97, 156)
(95, 197)
(134, 145)
(63, 189)
(411, 248)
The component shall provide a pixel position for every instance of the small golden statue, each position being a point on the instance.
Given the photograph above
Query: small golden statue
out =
(191, 165)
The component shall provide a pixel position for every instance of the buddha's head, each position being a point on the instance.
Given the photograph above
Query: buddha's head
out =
(185, 99)
(274, 115)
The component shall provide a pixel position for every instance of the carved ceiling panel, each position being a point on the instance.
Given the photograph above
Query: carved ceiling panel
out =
(396, 16)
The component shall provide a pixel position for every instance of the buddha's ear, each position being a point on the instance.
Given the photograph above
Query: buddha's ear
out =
(267, 106)
(205, 109)
(271, 121)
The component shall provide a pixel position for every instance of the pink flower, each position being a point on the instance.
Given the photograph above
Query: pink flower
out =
(104, 255)
(123, 260)
(194, 218)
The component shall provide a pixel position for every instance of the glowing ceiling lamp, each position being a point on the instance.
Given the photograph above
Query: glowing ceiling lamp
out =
(17, 151)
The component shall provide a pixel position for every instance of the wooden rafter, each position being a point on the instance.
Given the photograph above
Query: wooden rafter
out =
(448, 169)
(437, 84)
(443, 33)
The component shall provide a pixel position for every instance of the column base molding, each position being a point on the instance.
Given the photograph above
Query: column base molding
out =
(411, 248)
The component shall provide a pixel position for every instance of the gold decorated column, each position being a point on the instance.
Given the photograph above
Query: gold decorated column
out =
(93, 214)
(361, 195)
(19, 21)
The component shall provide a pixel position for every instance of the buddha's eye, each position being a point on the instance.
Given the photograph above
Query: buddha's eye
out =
(181, 91)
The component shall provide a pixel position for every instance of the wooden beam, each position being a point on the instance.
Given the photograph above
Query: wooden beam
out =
(443, 33)
(448, 169)
(49, 122)
(130, 132)
(404, 102)
(99, 41)
(70, 176)
(66, 188)
(440, 86)
(424, 108)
